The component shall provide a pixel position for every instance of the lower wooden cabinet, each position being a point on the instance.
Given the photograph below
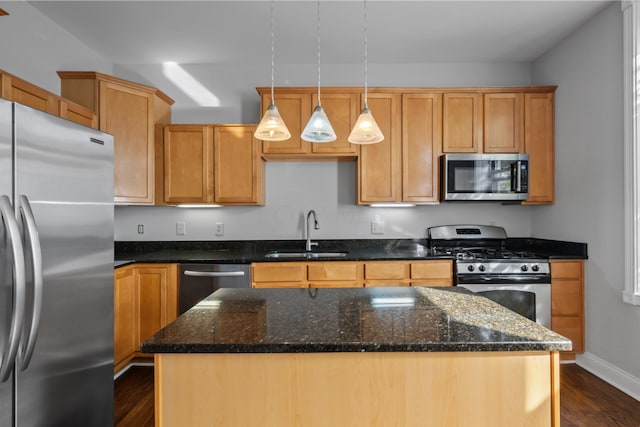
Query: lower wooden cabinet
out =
(348, 274)
(124, 314)
(145, 301)
(567, 302)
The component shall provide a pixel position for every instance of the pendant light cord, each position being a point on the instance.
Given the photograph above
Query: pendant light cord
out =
(272, 54)
(365, 56)
(318, 52)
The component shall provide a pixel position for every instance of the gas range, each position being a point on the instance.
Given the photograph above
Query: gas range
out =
(518, 280)
(481, 250)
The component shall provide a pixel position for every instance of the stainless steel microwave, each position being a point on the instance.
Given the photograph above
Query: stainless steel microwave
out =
(494, 177)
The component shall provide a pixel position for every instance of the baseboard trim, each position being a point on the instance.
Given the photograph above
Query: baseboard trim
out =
(615, 376)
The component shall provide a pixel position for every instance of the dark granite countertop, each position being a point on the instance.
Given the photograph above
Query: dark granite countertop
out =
(399, 319)
(246, 252)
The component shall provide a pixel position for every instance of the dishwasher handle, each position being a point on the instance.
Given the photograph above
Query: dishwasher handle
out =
(213, 273)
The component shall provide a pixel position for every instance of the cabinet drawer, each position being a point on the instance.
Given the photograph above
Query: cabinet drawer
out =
(333, 271)
(279, 272)
(339, 284)
(566, 270)
(570, 327)
(279, 285)
(386, 270)
(432, 270)
(566, 297)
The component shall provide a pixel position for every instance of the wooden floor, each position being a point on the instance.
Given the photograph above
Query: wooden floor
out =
(585, 400)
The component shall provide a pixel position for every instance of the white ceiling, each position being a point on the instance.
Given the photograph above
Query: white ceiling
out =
(204, 32)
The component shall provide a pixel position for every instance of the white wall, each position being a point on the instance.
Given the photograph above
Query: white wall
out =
(34, 47)
(293, 189)
(587, 67)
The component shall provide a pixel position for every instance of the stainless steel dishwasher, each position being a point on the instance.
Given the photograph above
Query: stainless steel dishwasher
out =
(198, 281)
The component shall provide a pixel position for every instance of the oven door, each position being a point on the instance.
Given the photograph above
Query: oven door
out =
(532, 300)
(485, 176)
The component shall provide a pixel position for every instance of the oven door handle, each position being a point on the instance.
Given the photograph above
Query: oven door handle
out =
(213, 273)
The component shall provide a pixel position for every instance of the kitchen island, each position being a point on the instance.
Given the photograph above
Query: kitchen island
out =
(355, 357)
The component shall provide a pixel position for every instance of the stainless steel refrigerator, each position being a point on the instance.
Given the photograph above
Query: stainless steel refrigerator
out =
(56, 271)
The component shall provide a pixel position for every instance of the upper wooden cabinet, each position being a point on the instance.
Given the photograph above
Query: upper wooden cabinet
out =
(539, 145)
(462, 122)
(15, 89)
(503, 123)
(188, 164)
(238, 167)
(379, 165)
(212, 164)
(296, 105)
(130, 112)
(421, 142)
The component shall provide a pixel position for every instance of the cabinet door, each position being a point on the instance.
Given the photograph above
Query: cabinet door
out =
(421, 141)
(157, 298)
(339, 274)
(567, 302)
(188, 164)
(503, 123)
(18, 90)
(386, 273)
(239, 168)
(279, 275)
(539, 145)
(127, 114)
(342, 109)
(379, 175)
(295, 110)
(462, 123)
(125, 314)
(431, 273)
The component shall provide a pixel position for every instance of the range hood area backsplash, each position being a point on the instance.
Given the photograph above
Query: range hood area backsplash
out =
(294, 188)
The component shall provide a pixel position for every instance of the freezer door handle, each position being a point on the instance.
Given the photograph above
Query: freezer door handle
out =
(213, 273)
(29, 337)
(19, 285)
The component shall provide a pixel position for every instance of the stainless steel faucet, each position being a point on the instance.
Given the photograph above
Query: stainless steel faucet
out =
(315, 225)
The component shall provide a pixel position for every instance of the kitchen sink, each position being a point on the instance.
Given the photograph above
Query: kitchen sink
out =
(305, 255)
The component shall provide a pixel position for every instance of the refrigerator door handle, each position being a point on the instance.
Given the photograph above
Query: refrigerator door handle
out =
(19, 291)
(26, 351)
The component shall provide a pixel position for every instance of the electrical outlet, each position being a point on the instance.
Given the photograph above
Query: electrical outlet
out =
(219, 228)
(181, 228)
(140, 229)
(377, 227)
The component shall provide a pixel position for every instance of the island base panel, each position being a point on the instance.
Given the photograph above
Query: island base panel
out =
(358, 389)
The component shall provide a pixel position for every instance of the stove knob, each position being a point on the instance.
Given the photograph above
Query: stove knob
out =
(524, 268)
(535, 267)
(470, 268)
(482, 268)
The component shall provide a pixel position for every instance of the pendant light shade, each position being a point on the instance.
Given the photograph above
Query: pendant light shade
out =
(366, 130)
(318, 129)
(272, 127)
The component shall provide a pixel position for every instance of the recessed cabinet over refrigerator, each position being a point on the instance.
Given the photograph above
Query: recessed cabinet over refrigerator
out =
(56, 271)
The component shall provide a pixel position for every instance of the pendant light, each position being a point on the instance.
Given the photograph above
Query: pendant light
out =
(272, 127)
(366, 130)
(318, 128)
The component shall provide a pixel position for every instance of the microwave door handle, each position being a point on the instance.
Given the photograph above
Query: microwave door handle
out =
(514, 177)
(519, 176)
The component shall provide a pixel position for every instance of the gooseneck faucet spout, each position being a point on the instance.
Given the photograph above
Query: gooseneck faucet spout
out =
(315, 225)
